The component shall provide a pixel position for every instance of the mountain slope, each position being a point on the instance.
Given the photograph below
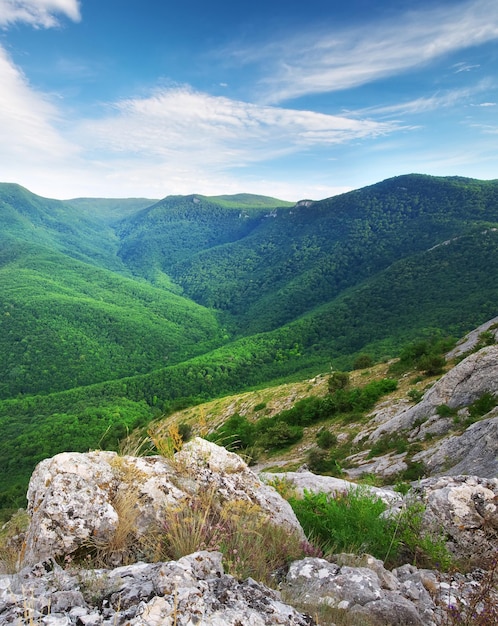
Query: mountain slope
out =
(266, 268)
(64, 323)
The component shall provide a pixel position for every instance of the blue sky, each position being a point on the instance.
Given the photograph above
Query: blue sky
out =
(119, 98)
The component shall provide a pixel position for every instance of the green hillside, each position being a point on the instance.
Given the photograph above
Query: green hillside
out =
(106, 323)
(64, 323)
(264, 269)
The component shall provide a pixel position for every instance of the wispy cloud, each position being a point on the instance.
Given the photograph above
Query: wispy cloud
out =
(38, 13)
(332, 61)
(465, 67)
(439, 100)
(217, 130)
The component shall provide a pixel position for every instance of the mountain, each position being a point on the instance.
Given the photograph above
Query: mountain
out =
(113, 312)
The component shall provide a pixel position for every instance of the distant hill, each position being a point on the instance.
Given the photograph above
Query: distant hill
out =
(110, 209)
(113, 311)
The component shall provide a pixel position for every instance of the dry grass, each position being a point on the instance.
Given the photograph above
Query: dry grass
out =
(252, 546)
(126, 545)
(12, 542)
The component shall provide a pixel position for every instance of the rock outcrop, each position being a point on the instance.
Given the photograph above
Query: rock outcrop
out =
(405, 596)
(192, 590)
(78, 500)
(474, 452)
(465, 510)
(461, 386)
(307, 481)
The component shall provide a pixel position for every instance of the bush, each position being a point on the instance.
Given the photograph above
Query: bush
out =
(338, 380)
(362, 361)
(348, 522)
(443, 410)
(353, 521)
(235, 434)
(483, 405)
(281, 435)
(325, 439)
(415, 395)
(321, 462)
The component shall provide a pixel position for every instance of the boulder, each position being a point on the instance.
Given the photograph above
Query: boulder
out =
(465, 510)
(80, 501)
(365, 589)
(307, 481)
(470, 341)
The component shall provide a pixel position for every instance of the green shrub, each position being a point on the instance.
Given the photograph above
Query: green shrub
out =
(235, 434)
(346, 522)
(388, 443)
(483, 405)
(322, 462)
(353, 521)
(443, 410)
(325, 439)
(185, 431)
(415, 395)
(362, 361)
(338, 380)
(281, 435)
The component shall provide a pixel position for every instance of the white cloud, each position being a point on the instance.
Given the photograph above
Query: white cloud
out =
(440, 100)
(175, 141)
(332, 61)
(210, 129)
(38, 13)
(27, 120)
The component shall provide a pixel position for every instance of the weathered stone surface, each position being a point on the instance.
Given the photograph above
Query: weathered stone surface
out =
(79, 499)
(465, 509)
(213, 466)
(460, 387)
(307, 481)
(474, 452)
(368, 590)
(192, 590)
(470, 341)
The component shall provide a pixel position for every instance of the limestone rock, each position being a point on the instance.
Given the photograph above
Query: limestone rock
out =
(465, 509)
(307, 481)
(370, 591)
(473, 452)
(213, 466)
(192, 590)
(82, 500)
(462, 385)
(470, 341)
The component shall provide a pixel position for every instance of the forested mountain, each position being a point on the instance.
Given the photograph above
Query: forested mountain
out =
(110, 313)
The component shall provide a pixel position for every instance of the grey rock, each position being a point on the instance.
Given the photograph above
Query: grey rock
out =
(470, 341)
(473, 452)
(192, 590)
(370, 591)
(462, 385)
(78, 500)
(465, 510)
(307, 481)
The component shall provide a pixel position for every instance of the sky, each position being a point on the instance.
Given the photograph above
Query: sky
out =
(295, 99)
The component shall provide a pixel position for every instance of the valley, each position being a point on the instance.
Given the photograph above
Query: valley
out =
(115, 314)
